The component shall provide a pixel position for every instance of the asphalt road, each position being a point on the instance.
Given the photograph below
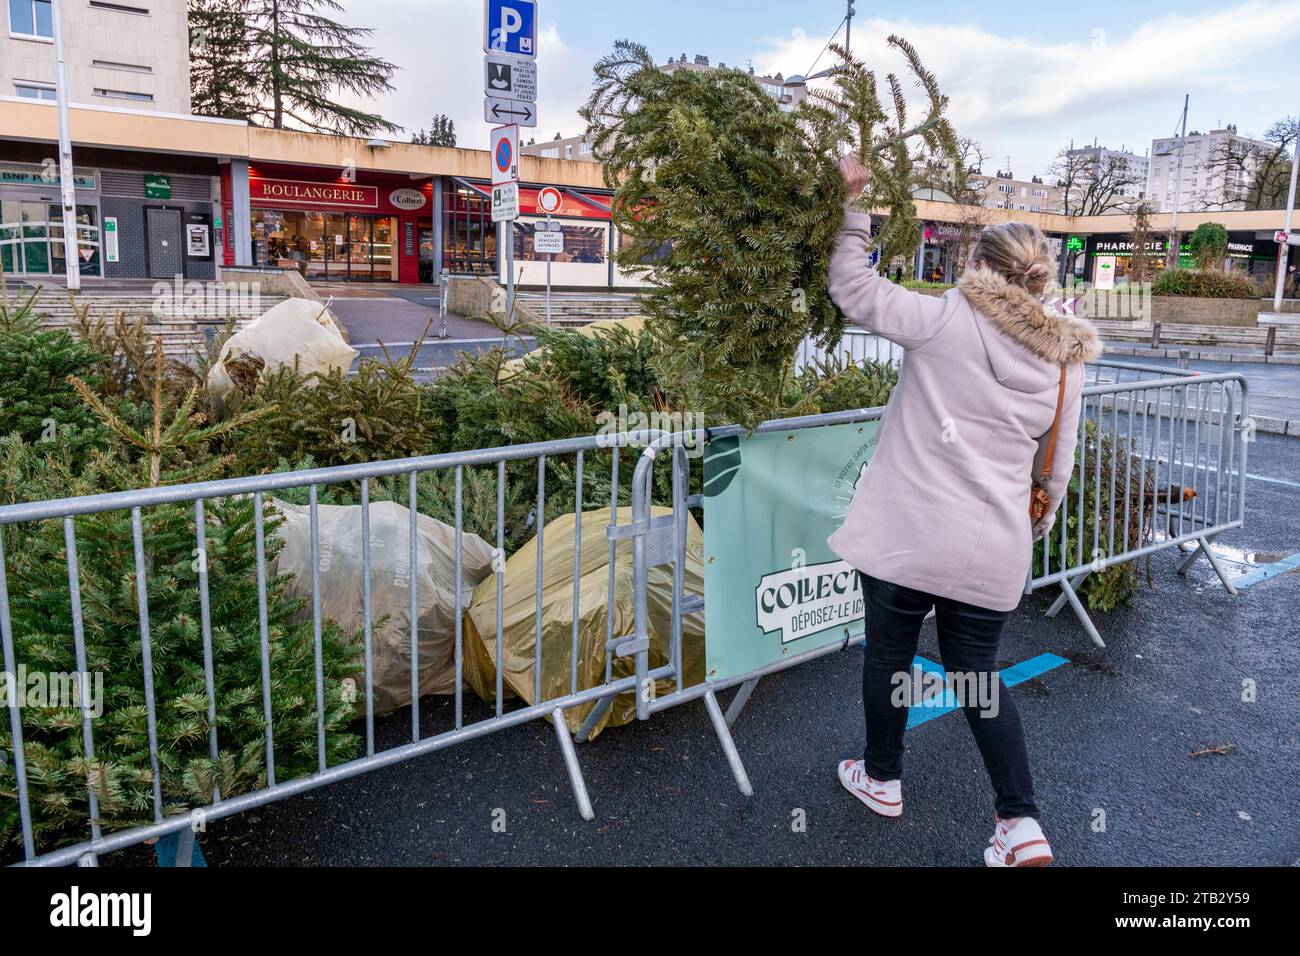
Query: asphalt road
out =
(1110, 732)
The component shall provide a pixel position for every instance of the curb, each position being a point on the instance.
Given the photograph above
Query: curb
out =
(1203, 355)
(1286, 427)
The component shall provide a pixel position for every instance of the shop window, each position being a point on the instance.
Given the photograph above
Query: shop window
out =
(586, 244)
(469, 235)
(31, 18)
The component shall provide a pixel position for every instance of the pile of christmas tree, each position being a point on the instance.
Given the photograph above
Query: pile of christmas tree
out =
(74, 421)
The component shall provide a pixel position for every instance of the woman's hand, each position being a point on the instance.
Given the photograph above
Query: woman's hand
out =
(856, 176)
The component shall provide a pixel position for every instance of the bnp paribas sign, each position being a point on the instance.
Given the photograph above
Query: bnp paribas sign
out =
(772, 585)
(43, 174)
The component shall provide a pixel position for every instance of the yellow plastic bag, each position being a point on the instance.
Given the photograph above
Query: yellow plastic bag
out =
(596, 607)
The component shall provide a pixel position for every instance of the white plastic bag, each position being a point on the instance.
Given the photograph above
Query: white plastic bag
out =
(341, 580)
(297, 333)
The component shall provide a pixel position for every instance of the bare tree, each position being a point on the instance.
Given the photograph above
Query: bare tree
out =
(1091, 186)
(1252, 174)
(1140, 236)
(955, 178)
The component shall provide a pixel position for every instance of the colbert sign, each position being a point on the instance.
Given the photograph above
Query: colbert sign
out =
(293, 192)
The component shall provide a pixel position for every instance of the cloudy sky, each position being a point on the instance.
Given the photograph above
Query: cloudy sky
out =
(1024, 78)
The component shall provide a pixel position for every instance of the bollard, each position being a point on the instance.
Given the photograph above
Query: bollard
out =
(1184, 358)
(1270, 340)
(1155, 335)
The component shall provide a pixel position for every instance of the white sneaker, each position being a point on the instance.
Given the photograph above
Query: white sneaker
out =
(1022, 844)
(883, 796)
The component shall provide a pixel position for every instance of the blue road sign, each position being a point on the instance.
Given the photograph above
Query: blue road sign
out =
(510, 26)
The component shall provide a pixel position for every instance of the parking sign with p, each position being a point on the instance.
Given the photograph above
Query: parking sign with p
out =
(510, 26)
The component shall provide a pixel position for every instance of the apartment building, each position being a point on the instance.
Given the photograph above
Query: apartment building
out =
(1004, 191)
(1127, 169)
(1218, 167)
(132, 53)
(788, 93)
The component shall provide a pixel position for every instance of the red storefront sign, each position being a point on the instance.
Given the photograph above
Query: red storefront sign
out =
(299, 194)
(569, 206)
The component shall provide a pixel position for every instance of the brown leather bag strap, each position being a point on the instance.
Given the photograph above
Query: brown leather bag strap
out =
(1056, 427)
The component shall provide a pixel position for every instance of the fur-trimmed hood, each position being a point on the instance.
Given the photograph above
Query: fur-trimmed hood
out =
(1014, 311)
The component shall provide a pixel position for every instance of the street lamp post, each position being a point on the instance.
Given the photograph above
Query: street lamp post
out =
(1172, 247)
(1284, 249)
(67, 185)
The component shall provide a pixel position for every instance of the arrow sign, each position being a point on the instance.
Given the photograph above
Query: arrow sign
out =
(519, 112)
(1286, 238)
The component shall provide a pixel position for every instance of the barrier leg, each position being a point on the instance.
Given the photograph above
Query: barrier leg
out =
(1068, 591)
(185, 847)
(1203, 548)
(728, 745)
(571, 764)
(1060, 602)
(740, 700)
(593, 718)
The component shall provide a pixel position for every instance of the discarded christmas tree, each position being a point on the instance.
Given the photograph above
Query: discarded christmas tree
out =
(731, 207)
(164, 449)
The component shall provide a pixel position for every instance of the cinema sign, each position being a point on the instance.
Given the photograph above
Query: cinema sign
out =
(296, 194)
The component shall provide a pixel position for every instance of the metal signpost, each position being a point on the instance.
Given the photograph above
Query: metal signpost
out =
(1286, 239)
(509, 102)
(67, 182)
(548, 237)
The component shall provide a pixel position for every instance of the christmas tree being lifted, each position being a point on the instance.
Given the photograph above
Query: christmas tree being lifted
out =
(731, 207)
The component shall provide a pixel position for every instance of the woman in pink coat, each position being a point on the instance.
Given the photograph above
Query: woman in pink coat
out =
(941, 518)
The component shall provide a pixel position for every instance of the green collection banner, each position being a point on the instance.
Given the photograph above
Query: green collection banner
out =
(773, 588)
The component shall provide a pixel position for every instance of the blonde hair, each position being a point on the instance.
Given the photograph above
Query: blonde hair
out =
(1018, 252)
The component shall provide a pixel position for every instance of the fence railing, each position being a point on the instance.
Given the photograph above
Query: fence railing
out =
(1167, 432)
(577, 454)
(1169, 451)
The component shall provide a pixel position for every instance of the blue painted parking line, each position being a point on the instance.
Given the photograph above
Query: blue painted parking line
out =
(166, 851)
(1010, 677)
(1263, 572)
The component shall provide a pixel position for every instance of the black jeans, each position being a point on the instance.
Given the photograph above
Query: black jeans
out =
(968, 647)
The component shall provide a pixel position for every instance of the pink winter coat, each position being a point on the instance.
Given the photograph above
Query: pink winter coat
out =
(944, 504)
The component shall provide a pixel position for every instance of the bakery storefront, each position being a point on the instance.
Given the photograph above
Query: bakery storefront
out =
(337, 227)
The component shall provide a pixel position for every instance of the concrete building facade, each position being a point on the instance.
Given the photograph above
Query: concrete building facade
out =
(118, 53)
(1128, 167)
(1217, 170)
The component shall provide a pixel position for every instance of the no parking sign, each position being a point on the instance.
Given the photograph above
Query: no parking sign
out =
(505, 155)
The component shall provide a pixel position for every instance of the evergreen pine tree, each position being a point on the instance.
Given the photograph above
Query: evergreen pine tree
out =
(731, 207)
(441, 132)
(301, 60)
(284, 64)
(58, 769)
(219, 81)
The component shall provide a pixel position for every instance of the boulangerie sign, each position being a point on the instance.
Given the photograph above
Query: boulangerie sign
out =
(294, 192)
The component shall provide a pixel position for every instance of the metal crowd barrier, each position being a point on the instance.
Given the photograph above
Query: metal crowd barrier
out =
(1148, 435)
(1165, 431)
(137, 502)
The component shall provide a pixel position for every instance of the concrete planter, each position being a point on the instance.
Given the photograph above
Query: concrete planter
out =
(1191, 310)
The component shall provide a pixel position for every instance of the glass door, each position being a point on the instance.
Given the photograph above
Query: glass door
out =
(35, 232)
(87, 240)
(11, 248)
